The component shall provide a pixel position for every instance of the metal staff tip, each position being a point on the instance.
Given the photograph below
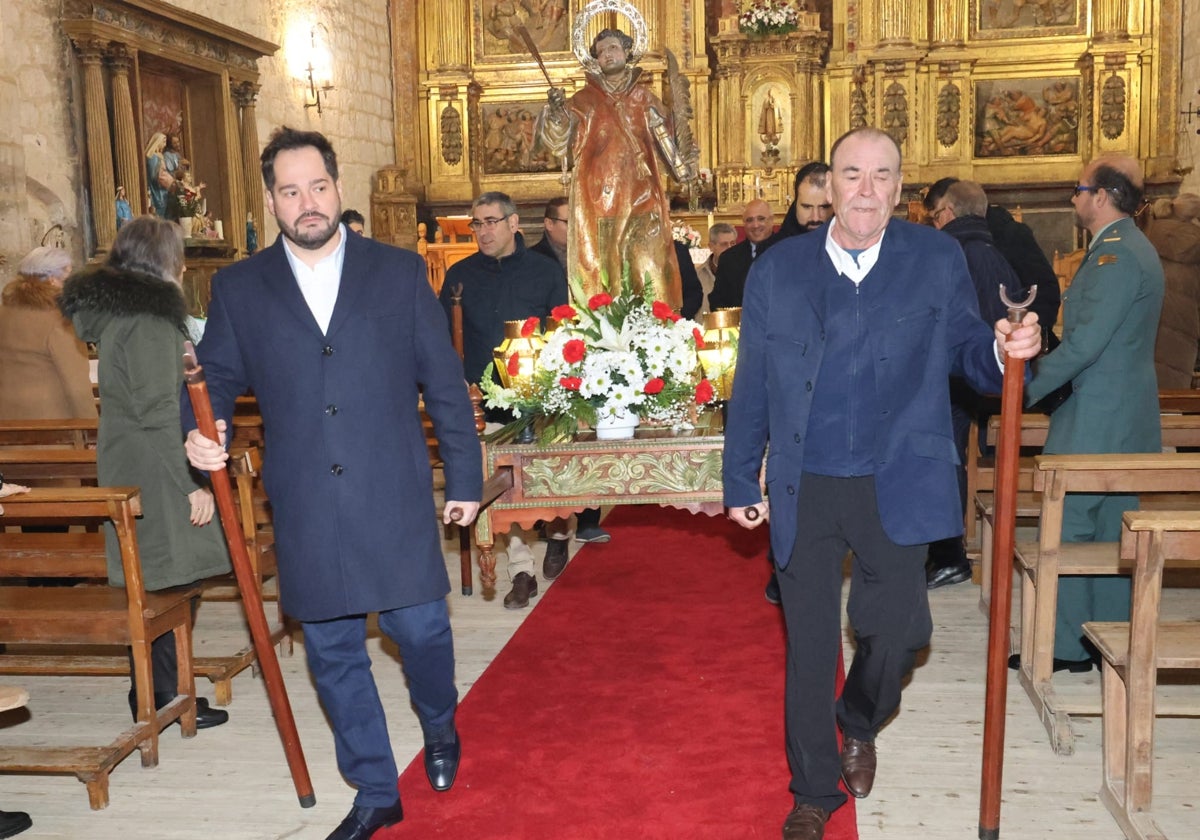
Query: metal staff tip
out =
(1016, 311)
(192, 371)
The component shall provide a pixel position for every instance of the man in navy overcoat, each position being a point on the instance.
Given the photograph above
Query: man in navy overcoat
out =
(339, 336)
(849, 338)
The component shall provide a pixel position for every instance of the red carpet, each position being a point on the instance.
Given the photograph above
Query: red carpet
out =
(643, 698)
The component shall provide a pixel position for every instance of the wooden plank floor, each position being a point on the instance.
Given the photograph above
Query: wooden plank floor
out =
(231, 782)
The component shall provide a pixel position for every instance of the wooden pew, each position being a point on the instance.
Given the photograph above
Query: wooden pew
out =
(83, 616)
(1042, 562)
(77, 433)
(1177, 430)
(1133, 653)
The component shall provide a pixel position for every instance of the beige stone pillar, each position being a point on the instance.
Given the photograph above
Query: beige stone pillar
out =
(245, 95)
(100, 159)
(235, 232)
(130, 162)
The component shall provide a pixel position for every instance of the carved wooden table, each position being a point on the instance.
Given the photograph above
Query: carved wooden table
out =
(529, 482)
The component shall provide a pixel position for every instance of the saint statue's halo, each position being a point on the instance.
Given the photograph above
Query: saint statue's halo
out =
(579, 43)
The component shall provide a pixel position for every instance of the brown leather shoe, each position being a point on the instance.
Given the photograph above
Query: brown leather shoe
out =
(524, 588)
(858, 766)
(805, 822)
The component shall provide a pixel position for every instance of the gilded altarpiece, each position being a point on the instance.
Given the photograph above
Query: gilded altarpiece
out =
(480, 90)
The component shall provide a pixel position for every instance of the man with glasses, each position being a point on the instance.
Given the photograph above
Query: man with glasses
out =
(505, 281)
(1110, 321)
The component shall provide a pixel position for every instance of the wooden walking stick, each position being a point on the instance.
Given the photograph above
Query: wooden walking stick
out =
(281, 708)
(1003, 536)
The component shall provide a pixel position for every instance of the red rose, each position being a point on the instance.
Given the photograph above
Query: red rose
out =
(531, 324)
(571, 383)
(514, 364)
(663, 312)
(596, 301)
(565, 312)
(704, 392)
(699, 336)
(574, 351)
(654, 386)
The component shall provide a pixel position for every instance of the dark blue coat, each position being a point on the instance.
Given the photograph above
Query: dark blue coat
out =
(928, 330)
(345, 462)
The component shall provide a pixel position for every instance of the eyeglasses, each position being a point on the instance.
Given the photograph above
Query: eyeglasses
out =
(1084, 188)
(553, 219)
(937, 214)
(486, 224)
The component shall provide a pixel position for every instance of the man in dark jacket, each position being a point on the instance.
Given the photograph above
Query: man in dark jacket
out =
(960, 213)
(759, 221)
(810, 207)
(339, 337)
(505, 281)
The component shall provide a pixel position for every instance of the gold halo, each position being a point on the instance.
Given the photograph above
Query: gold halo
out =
(622, 7)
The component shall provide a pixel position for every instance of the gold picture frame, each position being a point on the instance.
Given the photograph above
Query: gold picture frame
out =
(1011, 19)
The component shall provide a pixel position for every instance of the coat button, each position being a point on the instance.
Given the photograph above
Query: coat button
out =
(327, 350)
(336, 469)
(796, 438)
(331, 409)
(808, 385)
(791, 490)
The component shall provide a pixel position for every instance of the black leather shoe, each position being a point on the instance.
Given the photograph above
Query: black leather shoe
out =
(771, 593)
(13, 823)
(1071, 666)
(441, 762)
(556, 558)
(206, 716)
(936, 576)
(524, 588)
(362, 822)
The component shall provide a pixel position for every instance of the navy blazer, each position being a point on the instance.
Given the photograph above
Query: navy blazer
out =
(929, 330)
(345, 461)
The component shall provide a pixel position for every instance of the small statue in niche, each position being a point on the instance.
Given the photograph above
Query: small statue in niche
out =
(158, 177)
(124, 211)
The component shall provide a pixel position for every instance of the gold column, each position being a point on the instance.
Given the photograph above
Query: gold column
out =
(235, 234)
(950, 24)
(452, 35)
(245, 94)
(895, 22)
(100, 161)
(130, 163)
(1112, 20)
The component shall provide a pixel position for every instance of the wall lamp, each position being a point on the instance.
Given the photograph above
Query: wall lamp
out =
(319, 69)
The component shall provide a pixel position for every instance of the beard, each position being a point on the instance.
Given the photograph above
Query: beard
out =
(312, 238)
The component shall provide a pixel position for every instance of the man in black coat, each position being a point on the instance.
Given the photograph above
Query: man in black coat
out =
(340, 337)
(759, 221)
(960, 212)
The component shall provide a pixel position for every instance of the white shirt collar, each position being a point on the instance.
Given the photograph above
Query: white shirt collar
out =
(319, 284)
(846, 264)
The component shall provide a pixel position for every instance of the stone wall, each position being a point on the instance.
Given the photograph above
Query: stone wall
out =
(1189, 89)
(42, 181)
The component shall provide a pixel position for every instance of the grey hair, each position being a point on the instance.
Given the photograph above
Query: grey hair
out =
(498, 198)
(967, 198)
(720, 228)
(149, 245)
(45, 263)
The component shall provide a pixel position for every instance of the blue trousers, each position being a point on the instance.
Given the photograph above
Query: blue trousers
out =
(341, 668)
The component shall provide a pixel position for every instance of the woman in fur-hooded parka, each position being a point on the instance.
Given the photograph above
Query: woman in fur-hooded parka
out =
(137, 321)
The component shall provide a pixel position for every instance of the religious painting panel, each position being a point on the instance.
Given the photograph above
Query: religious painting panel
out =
(509, 139)
(1026, 117)
(496, 22)
(1026, 18)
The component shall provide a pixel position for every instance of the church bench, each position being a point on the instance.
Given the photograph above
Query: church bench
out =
(1133, 653)
(76, 433)
(1177, 430)
(82, 618)
(1042, 562)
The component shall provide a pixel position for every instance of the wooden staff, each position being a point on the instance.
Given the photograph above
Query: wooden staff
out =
(1003, 536)
(251, 599)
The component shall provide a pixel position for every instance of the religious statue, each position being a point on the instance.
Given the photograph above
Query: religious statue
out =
(124, 211)
(619, 135)
(158, 177)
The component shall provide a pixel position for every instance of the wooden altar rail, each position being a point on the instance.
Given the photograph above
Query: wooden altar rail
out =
(1134, 652)
(79, 617)
(1044, 561)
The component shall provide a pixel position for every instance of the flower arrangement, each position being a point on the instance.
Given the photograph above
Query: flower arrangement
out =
(188, 202)
(768, 17)
(629, 354)
(685, 234)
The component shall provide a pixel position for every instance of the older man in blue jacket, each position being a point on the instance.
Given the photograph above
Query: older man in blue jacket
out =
(339, 337)
(844, 367)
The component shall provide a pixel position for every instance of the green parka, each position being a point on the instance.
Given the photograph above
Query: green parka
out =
(137, 323)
